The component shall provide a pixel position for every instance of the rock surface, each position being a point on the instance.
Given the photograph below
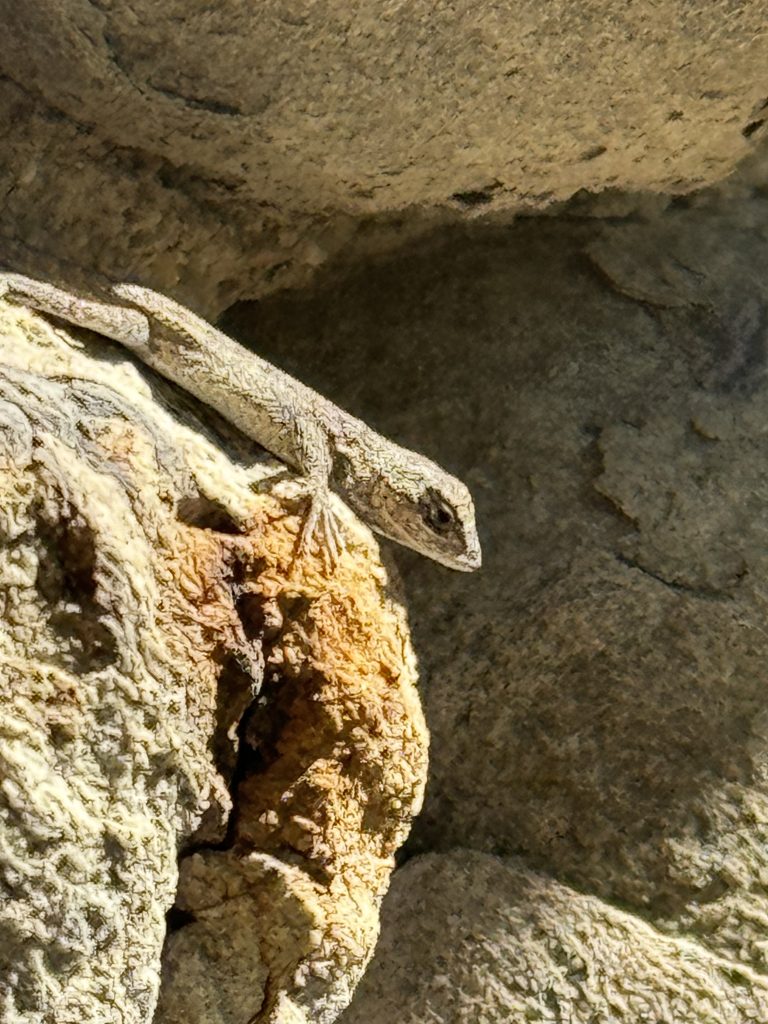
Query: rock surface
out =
(147, 591)
(220, 151)
(470, 937)
(596, 694)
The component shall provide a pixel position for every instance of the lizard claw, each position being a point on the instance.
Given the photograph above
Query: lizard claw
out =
(322, 522)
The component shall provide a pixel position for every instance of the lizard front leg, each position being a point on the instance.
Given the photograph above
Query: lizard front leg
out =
(129, 327)
(316, 462)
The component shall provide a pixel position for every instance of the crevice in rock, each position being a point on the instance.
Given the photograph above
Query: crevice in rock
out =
(682, 588)
(204, 513)
(176, 919)
(67, 583)
(476, 197)
(757, 122)
(212, 106)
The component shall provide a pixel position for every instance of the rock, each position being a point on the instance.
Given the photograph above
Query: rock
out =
(219, 153)
(470, 937)
(595, 693)
(149, 592)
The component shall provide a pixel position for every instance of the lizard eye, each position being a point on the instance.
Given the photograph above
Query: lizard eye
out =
(437, 514)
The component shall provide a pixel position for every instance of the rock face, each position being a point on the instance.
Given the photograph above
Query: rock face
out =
(222, 151)
(596, 693)
(468, 937)
(149, 593)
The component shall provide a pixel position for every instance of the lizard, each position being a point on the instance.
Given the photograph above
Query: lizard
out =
(398, 493)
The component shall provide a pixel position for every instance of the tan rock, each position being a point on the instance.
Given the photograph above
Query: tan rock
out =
(221, 152)
(468, 937)
(147, 587)
(596, 693)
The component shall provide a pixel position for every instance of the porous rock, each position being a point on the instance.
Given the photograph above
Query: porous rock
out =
(470, 937)
(149, 592)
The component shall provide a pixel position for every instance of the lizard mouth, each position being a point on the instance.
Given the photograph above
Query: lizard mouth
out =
(471, 561)
(467, 561)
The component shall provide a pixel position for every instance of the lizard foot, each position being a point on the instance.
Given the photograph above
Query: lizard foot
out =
(322, 522)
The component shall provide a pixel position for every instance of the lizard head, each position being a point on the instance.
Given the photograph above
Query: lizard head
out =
(424, 508)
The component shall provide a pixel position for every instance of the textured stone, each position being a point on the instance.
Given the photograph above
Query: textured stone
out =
(148, 585)
(468, 937)
(220, 151)
(596, 693)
